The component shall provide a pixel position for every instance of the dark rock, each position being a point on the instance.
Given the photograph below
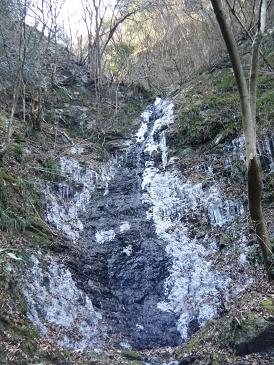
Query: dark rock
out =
(131, 355)
(125, 276)
(255, 334)
(188, 360)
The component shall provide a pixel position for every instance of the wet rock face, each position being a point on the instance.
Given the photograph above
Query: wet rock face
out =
(129, 281)
(147, 238)
(58, 308)
(139, 258)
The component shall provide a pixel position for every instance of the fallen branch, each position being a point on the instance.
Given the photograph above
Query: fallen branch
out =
(43, 222)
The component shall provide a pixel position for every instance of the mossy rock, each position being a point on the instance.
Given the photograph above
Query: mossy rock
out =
(26, 334)
(217, 359)
(131, 355)
(254, 334)
(268, 305)
(95, 355)
(203, 335)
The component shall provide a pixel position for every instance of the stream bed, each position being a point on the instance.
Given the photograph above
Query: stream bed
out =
(145, 267)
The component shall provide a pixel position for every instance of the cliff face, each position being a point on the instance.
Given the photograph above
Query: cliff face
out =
(140, 249)
(158, 244)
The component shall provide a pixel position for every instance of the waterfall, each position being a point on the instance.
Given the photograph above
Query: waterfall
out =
(149, 234)
(195, 290)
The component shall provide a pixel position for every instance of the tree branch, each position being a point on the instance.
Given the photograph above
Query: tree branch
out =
(249, 34)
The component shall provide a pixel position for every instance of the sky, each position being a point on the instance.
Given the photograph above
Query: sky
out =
(71, 14)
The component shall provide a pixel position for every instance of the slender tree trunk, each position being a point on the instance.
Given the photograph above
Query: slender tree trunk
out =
(10, 121)
(248, 109)
(116, 97)
(19, 82)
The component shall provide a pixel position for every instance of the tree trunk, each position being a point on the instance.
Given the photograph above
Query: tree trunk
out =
(6, 144)
(248, 109)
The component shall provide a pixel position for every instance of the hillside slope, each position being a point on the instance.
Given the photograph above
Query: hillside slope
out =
(205, 144)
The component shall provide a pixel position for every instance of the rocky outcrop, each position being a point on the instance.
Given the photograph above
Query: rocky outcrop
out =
(254, 334)
(149, 236)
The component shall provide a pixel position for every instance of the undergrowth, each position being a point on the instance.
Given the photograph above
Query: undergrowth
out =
(21, 205)
(210, 106)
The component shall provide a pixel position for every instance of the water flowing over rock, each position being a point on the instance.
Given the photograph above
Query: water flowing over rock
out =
(194, 289)
(148, 242)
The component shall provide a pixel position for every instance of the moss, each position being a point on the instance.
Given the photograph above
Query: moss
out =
(131, 355)
(217, 359)
(210, 105)
(20, 334)
(266, 99)
(29, 349)
(24, 217)
(247, 326)
(209, 113)
(253, 334)
(16, 152)
(14, 189)
(267, 304)
(51, 170)
(228, 82)
(199, 338)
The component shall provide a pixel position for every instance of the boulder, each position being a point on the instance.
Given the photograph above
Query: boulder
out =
(255, 334)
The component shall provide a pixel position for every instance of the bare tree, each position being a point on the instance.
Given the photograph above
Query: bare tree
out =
(45, 16)
(248, 109)
(103, 19)
(19, 84)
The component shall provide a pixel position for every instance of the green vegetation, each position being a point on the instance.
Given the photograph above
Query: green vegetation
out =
(16, 151)
(24, 346)
(145, 64)
(131, 355)
(201, 337)
(14, 216)
(268, 305)
(21, 332)
(51, 169)
(210, 106)
(227, 83)
(20, 342)
(233, 334)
